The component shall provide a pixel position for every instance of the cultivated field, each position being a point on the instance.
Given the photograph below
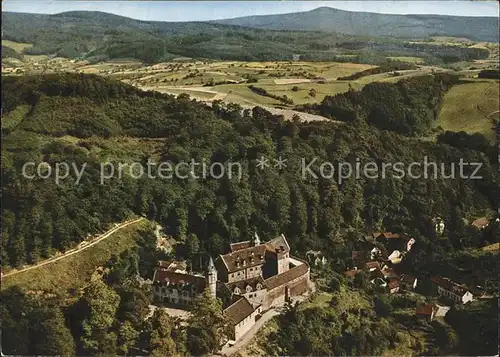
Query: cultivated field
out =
(471, 107)
(301, 82)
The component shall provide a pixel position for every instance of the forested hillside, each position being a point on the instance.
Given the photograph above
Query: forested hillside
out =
(98, 36)
(84, 118)
(407, 107)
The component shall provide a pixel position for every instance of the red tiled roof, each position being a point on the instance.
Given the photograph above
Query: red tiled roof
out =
(240, 245)
(164, 276)
(244, 258)
(240, 310)
(287, 276)
(409, 279)
(251, 256)
(278, 245)
(481, 222)
(394, 283)
(449, 285)
(425, 310)
(372, 264)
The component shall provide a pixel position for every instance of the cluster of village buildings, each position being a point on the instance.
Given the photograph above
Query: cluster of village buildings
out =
(384, 251)
(250, 279)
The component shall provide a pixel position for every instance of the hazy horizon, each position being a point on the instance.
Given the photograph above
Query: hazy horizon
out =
(180, 11)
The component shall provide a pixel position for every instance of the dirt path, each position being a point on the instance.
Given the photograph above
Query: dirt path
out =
(78, 249)
(495, 112)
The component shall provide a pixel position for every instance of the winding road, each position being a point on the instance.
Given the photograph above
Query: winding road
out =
(80, 248)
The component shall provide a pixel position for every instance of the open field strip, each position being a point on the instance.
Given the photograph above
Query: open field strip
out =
(73, 268)
(291, 80)
(16, 46)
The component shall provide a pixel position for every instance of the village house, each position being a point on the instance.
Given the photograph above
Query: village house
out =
(395, 257)
(395, 241)
(373, 265)
(408, 282)
(427, 311)
(393, 286)
(441, 310)
(452, 290)
(389, 273)
(480, 223)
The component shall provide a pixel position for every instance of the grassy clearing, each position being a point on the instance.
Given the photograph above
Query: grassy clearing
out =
(194, 94)
(321, 299)
(11, 120)
(408, 59)
(16, 46)
(239, 93)
(74, 271)
(466, 106)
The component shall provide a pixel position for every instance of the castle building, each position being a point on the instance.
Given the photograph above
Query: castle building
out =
(252, 278)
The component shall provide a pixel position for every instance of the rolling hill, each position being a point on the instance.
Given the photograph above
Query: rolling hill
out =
(98, 36)
(372, 24)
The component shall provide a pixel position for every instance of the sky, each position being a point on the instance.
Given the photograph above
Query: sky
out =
(214, 10)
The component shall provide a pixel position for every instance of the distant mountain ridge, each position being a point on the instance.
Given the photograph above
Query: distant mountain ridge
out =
(98, 36)
(374, 24)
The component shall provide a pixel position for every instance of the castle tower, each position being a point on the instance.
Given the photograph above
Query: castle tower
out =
(256, 239)
(211, 278)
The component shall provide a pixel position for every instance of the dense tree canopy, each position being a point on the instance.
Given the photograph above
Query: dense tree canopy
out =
(207, 214)
(87, 119)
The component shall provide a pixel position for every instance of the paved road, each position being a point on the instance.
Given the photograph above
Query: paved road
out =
(76, 250)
